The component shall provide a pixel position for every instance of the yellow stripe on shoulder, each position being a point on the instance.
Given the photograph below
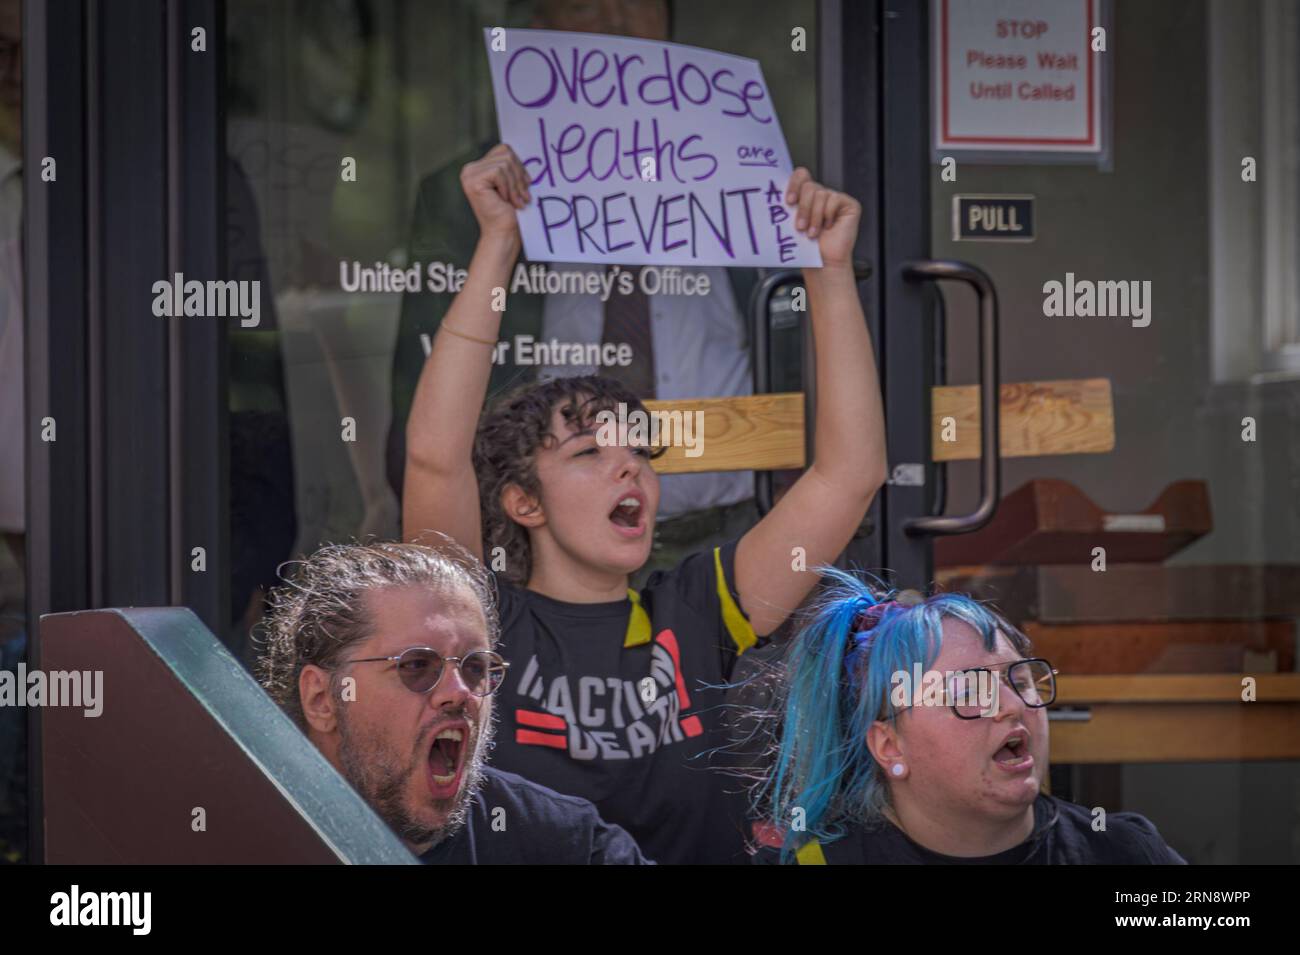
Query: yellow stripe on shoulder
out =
(742, 634)
(810, 853)
(638, 623)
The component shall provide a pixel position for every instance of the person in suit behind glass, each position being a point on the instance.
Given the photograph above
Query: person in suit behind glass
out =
(682, 346)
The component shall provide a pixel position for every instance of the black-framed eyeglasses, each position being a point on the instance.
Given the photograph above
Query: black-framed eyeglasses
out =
(420, 669)
(1033, 680)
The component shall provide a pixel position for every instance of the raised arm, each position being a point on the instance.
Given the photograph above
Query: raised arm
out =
(440, 491)
(825, 506)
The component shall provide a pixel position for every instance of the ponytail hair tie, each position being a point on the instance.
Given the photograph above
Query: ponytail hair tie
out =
(870, 616)
(863, 631)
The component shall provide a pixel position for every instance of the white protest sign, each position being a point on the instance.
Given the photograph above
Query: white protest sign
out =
(1017, 75)
(644, 153)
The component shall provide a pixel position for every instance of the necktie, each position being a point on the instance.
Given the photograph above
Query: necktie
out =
(627, 322)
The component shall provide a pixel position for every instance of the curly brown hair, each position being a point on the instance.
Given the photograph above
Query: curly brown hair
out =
(511, 431)
(320, 611)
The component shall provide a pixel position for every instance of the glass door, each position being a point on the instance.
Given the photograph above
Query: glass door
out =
(1143, 283)
(401, 91)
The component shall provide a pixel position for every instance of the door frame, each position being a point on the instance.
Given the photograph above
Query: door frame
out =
(138, 474)
(873, 101)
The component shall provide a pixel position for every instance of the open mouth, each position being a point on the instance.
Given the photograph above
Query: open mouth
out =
(627, 514)
(445, 761)
(1014, 755)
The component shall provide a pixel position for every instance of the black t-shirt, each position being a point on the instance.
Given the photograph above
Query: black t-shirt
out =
(516, 822)
(1063, 835)
(621, 703)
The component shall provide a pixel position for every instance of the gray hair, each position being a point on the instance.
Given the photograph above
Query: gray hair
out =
(320, 610)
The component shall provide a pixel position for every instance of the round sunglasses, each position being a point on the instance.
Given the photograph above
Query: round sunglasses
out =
(420, 669)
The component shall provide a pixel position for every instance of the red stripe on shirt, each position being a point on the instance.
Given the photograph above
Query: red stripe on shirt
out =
(533, 738)
(546, 721)
(691, 726)
(669, 642)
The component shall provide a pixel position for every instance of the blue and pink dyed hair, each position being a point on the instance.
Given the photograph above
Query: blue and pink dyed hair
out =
(836, 683)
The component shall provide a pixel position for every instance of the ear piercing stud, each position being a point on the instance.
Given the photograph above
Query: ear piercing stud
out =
(897, 769)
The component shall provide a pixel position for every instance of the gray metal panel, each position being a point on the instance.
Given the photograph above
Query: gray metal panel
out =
(198, 426)
(54, 317)
(128, 247)
(848, 145)
(907, 359)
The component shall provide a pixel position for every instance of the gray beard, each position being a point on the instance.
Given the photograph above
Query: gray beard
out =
(383, 784)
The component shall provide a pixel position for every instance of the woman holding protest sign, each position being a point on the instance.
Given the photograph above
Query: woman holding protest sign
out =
(615, 694)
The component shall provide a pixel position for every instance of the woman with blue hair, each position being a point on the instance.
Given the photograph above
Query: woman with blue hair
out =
(915, 731)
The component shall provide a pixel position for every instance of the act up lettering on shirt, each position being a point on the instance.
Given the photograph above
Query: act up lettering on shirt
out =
(606, 718)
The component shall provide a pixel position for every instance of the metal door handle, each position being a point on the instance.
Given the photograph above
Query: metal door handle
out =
(990, 387)
(762, 339)
(760, 322)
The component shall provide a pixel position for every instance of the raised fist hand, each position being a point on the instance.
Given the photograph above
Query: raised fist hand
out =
(496, 187)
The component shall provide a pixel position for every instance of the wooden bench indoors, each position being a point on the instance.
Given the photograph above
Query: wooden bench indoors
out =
(1144, 711)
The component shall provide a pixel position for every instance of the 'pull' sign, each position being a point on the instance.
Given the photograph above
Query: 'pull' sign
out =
(993, 218)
